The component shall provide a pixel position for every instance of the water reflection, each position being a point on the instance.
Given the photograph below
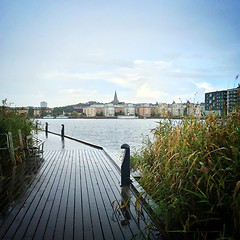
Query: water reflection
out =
(63, 143)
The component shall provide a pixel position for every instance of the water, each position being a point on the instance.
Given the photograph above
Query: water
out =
(108, 133)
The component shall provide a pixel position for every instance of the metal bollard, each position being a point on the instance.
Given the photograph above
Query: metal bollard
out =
(46, 127)
(125, 168)
(46, 130)
(62, 131)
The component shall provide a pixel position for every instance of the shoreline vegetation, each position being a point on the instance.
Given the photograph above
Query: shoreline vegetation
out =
(192, 172)
(11, 121)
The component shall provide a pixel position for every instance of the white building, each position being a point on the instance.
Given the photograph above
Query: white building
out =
(177, 109)
(90, 111)
(109, 110)
(43, 104)
(129, 109)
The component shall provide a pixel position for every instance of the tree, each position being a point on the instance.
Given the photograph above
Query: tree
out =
(74, 114)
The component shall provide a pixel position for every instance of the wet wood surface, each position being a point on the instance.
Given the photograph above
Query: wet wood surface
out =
(70, 194)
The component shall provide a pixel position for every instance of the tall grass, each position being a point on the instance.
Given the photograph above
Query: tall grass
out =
(192, 170)
(11, 121)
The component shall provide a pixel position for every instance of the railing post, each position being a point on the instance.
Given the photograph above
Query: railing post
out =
(62, 131)
(11, 148)
(125, 168)
(21, 143)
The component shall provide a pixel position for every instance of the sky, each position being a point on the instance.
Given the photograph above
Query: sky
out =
(73, 51)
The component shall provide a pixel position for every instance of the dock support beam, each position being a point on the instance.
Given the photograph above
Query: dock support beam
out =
(125, 168)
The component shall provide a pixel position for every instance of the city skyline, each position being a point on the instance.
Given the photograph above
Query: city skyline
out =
(67, 52)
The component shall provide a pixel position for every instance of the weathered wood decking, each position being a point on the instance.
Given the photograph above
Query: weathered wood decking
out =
(70, 194)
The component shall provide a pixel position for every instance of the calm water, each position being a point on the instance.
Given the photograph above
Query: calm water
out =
(108, 133)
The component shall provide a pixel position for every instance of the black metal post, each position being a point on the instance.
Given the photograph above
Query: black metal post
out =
(46, 127)
(125, 168)
(62, 131)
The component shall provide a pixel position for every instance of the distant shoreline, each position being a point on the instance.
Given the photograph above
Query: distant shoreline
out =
(108, 118)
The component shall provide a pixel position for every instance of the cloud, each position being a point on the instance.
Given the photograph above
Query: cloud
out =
(207, 87)
(142, 80)
(145, 92)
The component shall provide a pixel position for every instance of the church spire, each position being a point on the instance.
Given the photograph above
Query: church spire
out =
(115, 100)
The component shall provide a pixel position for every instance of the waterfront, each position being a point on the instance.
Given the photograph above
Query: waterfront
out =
(108, 133)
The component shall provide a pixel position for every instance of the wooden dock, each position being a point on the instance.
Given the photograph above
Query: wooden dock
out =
(71, 194)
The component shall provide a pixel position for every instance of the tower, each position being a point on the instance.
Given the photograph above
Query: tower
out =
(115, 100)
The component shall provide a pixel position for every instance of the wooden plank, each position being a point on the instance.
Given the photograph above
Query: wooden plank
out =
(105, 208)
(93, 203)
(87, 224)
(50, 229)
(6, 224)
(78, 212)
(60, 224)
(23, 218)
(141, 221)
(112, 176)
(40, 217)
(69, 221)
(72, 197)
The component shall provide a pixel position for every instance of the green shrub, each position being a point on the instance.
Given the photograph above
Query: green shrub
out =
(11, 121)
(192, 170)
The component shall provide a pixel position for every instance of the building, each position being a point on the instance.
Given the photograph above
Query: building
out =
(177, 109)
(109, 110)
(144, 110)
(216, 102)
(129, 109)
(43, 104)
(222, 101)
(90, 111)
(233, 98)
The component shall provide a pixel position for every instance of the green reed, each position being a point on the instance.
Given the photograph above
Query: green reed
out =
(192, 171)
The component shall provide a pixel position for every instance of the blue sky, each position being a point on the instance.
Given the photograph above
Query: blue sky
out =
(70, 51)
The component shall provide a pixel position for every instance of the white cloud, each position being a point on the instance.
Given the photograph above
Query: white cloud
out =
(207, 87)
(143, 81)
(145, 92)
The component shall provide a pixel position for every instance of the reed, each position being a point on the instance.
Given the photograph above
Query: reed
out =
(192, 171)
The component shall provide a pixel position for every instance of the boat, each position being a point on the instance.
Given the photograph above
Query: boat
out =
(62, 117)
(126, 117)
(48, 117)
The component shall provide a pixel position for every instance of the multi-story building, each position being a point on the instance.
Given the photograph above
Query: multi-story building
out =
(109, 110)
(90, 111)
(161, 109)
(129, 109)
(177, 109)
(216, 102)
(233, 98)
(144, 110)
(222, 101)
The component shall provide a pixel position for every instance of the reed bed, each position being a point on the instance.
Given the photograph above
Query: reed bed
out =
(192, 171)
